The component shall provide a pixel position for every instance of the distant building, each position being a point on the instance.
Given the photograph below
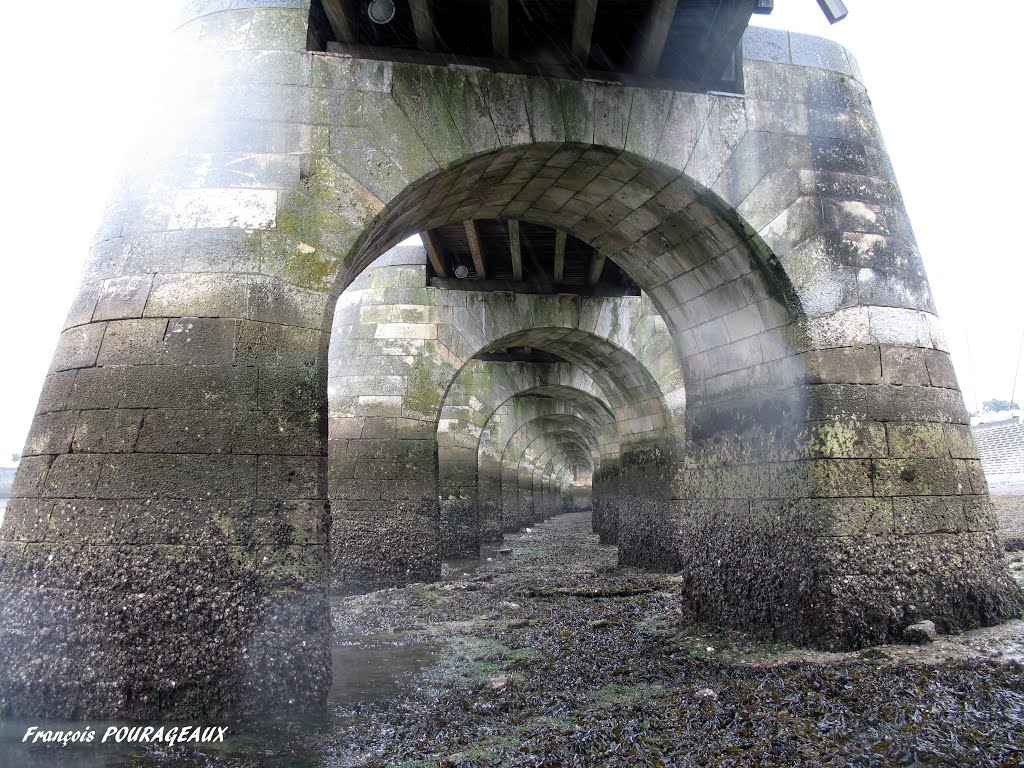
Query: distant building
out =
(1000, 439)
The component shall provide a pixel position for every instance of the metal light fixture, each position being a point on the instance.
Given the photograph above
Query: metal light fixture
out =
(461, 271)
(381, 11)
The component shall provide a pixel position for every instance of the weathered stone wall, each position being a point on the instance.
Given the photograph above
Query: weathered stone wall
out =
(388, 372)
(828, 492)
(887, 431)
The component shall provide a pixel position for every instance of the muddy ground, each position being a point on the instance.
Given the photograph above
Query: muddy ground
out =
(549, 655)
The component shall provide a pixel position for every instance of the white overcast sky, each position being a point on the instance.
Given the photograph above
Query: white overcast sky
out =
(943, 80)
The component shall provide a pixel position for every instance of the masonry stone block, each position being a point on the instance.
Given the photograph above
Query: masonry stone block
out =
(915, 404)
(853, 365)
(174, 476)
(122, 297)
(206, 295)
(128, 342)
(921, 477)
(51, 433)
(56, 390)
(917, 440)
(107, 431)
(940, 369)
(28, 482)
(78, 347)
(199, 341)
(959, 441)
(849, 439)
(904, 365)
(75, 476)
(82, 308)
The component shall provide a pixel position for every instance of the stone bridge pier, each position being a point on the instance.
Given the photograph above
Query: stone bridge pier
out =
(243, 415)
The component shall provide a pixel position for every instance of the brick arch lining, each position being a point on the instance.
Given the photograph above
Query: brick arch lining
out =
(653, 220)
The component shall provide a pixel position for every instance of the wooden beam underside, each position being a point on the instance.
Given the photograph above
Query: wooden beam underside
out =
(423, 23)
(434, 253)
(559, 255)
(723, 39)
(596, 268)
(659, 21)
(474, 247)
(339, 16)
(583, 29)
(499, 28)
(515, 246)
(527, 286)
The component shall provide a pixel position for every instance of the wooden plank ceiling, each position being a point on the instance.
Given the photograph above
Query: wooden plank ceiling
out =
(518, 256)
(694, 42)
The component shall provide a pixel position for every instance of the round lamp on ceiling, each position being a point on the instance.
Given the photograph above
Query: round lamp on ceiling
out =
(381, 11)
(461, 271)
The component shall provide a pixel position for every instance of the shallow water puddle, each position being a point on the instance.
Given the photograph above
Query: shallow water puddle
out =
(457, 567)
(369, 673)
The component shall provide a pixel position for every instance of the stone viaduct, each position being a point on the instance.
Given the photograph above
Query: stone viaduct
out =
(259, 397)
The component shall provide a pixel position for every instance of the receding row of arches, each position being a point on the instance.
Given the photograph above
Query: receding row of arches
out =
(714, 337)
(536, 420)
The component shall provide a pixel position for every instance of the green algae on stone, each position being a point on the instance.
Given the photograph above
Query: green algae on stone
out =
(416, 93)
(422, 395)
(319, 223)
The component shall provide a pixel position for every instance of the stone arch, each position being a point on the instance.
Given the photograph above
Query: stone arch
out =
(638, 401)
(718, 287)
(179, 443)
(550, 484)
(565, 460)
(518, 464)
(762, 322)
(496, 434)
(402, 361)
(523, 458)
(468, 478)
(733, 317)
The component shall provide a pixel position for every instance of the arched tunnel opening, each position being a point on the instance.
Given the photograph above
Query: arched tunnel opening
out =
(553, 413)
(533, 284)
(565, 412)
(723, 461)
